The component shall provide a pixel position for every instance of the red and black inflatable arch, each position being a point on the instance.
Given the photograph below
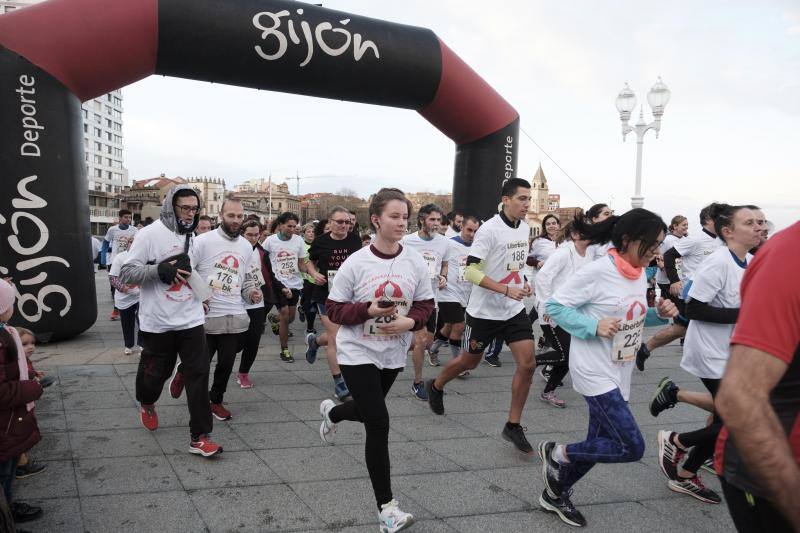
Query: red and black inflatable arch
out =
(55, 54)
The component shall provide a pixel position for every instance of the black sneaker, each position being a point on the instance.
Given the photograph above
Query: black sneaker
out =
(516, 436)
(22, 512)
(550, 468)
(563, 508)
(31, 468)
(665, 396)
(694, 487)
(669, 455)
(493, 360)
(301, 314)
(435, 398)
(642, 355)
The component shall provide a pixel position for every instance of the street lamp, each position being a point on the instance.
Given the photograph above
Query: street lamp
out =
(626, 102)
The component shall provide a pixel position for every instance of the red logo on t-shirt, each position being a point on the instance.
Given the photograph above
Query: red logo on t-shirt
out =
(632, 309)
(388, 289)
(231, 262)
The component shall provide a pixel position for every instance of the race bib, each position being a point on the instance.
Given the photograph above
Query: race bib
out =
(287, 264)
(627, 340)
(462, 268)
(122, 244)
(331, 275)
(255, 273)
(224, 278)
(679, 267)
(430, 260)
(371, 326)
(516, 254)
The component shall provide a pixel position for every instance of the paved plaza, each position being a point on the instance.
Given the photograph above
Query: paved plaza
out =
(454, 473)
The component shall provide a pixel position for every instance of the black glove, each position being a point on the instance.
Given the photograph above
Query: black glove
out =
(167, 272)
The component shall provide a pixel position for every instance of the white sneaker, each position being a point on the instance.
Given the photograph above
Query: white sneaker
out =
(327, 430)
(137, 349)
(392, 519)
(128, 351)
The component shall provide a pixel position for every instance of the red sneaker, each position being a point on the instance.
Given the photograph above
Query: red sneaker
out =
(114, 315)
(149, 417)
(219, 411)
(204, 446)
(176, 384)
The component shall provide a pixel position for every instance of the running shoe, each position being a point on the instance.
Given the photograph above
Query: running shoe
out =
(516, 436)
(219, 412)
(463, 374)
(114, 315)
(708, 466)
(563, 508)
(31, 468)
(435, 398)
(694, 487)
(22, 512)
(493, 360)
(437, 343)
(340, 389)
(545, 371)
(301, 314)
(551, 470)
(274, 323)
(433, 357)
(669, 455)
(243, 380)
(327, 430)
(392, 519)
(552, 399)
(419, 392)
(137, 349)
(311, 348)
(665, 396)
(148, 416)
(176, 384)
(204, 446)
(286, 356)
(642, 354)
(128, 351)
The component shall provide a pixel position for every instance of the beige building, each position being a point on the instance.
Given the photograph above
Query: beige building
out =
(255, 196)
(211, 191)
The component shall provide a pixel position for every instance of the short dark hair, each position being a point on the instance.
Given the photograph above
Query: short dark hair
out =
(383, 197)
(595, 211)
(366, 237)
(123, 212)
(724, 218)
(711, 211)
(472, 218)
(547, 217)
(227, 199)
(635, 225)
(185, 193)
(510, 186)
(426, 210)
(250, 224)
(751, 206)
(206, 218)
(286, 216)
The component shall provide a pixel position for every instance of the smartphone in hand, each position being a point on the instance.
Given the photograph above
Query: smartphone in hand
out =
(47, 381)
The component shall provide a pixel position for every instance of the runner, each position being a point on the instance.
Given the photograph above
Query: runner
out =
(543, 247)
(761, 220)
(288, 258)
(126, 300)
(712, 304)
(204, 225)
(691, 251)
(171, 315)
(380, 294)
(455, 295)
(307, 312)
(604, 308)
(596, 214)
(328, 252)
(251, 231)
(228, 264)
(495, 266)
(758, 452)
(455, 220)
(118, 239)
(560, 266)
(433, 247)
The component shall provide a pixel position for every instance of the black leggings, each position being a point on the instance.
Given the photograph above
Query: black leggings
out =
(558, 358)
(308, 306)
(129, 318)
(251, 338)
(369, 386)
(225, 346)
(702, 441)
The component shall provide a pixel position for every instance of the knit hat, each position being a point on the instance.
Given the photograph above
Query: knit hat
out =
(7, 296)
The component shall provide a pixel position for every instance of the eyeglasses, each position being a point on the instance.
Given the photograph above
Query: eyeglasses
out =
(343, 221)
(188, 208)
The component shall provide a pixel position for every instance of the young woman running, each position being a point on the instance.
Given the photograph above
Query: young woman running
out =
(604, 307)
(561, 266)
(328, 252)
(307, 312)
(712, 305)
(381, 294)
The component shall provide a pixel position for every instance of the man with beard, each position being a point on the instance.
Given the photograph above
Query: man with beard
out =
(226, 263)
(455, 220)
(171, 315)
(117, 240)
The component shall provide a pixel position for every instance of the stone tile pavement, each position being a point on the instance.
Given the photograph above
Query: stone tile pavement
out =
(454, 473)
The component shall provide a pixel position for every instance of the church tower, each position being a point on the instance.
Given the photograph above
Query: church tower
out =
(539, 193)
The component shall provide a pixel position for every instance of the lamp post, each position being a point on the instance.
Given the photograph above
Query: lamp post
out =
(626, 102)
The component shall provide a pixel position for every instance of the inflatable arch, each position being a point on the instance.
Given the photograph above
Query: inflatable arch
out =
(55, 54)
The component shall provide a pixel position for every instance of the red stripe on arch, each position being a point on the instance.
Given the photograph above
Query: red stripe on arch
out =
(465, 107)
(91, 46)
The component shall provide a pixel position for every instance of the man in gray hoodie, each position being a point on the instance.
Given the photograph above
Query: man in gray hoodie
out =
(171, 315)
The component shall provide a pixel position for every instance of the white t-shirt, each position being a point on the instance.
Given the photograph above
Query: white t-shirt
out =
(285, 256)
(600, 291)
(119, 239)
(365, 277)
(224, 264)
(559, 267)
(458, 288)
(164, 307)
(694, 250)
(599, 250)
(503, 250)
(433, 251)
(715, 282)
(542, 249)
(449, 233)
(123, 300)
(669, 242)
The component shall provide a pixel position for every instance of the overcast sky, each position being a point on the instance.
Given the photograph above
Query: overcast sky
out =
(730, 132)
